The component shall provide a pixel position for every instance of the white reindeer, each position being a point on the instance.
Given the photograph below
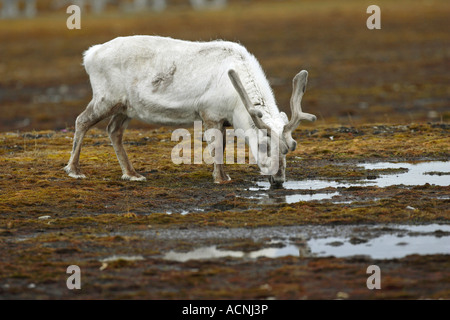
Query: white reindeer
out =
(173, 82)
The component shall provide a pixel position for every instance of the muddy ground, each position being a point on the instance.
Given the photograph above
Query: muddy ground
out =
(380, 96)
(120, 233)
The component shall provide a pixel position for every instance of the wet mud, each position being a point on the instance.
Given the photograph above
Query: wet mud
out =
(180, 236)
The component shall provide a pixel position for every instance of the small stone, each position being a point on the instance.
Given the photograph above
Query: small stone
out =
(335, 243)
(356, 240)
(265, 286)
(342, 295)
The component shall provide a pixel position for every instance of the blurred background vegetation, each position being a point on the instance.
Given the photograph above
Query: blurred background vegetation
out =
(399, 74)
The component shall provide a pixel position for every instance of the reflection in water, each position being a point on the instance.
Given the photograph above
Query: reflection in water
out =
(432, 172)
(292, 198)
(211, 252)
(397, 243)
(384, 247)
(418, 173)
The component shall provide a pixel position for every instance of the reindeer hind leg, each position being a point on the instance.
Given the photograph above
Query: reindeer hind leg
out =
(84, 122)
(92, 115)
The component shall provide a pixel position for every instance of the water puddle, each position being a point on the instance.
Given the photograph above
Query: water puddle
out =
(384, 247)
(432, 172)
(121, 257)
(380, 242)
(414, 174)
(185, 212)
(293, 198)
(212, 252)
(118, 259)
(209, 252)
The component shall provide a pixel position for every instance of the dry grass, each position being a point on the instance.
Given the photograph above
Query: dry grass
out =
(34, 183)
(49, 221)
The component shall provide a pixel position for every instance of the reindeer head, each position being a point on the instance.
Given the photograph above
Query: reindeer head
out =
(272, 161)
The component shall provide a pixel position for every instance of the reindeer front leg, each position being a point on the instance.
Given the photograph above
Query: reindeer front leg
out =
(216, 138)
(116, 127)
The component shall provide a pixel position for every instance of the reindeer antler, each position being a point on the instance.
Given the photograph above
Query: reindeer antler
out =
(299, 87)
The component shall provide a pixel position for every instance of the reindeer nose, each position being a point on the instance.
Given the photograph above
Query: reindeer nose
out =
(276, 182)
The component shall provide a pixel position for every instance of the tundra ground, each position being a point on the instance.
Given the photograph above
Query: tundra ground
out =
(380, 95)
(49, 221)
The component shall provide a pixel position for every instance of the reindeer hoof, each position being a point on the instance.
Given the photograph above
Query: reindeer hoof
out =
(224, 179)
(74, 173)
(77, 176)
(136, 177)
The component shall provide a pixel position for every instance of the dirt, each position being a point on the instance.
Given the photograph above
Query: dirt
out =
(49, 221)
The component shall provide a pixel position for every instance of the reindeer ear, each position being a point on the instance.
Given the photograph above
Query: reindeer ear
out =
(255, 114)
(284, 117)
(290, 142)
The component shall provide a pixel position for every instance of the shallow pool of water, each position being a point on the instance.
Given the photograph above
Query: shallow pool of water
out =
(384, 247)
(292, 198)
(415, 174)
(382, 242)
(418, 173)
